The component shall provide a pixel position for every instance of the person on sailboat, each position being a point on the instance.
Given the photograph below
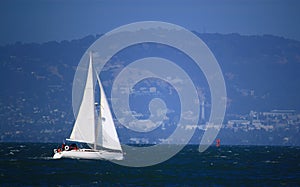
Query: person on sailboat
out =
(58, 149)
(73, 147)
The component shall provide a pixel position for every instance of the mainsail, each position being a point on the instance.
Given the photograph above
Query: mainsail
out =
(84, 128)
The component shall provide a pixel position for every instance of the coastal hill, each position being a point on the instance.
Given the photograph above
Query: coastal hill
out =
(261, 74)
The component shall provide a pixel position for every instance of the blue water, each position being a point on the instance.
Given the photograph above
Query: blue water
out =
(31, 164)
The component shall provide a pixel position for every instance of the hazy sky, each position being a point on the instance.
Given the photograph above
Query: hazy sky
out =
(45, 20)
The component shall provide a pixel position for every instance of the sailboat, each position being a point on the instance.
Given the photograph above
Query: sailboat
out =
(95, 129)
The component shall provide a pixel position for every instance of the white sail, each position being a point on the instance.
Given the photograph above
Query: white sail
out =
(108, 136)
(84, 128)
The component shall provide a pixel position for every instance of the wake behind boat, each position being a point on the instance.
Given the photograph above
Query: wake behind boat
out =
(97, 130)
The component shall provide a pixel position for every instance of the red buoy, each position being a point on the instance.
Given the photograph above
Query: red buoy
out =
(218, 142)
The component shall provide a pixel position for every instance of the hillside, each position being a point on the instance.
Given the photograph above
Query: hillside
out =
(261, 74)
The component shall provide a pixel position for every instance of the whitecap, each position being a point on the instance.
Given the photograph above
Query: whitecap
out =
(271, 162)
(15, 150)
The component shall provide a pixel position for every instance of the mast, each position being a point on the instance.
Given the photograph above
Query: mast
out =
(99, 120)
(96, 129)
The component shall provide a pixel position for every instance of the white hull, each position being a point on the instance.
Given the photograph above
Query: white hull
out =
(89, 154)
